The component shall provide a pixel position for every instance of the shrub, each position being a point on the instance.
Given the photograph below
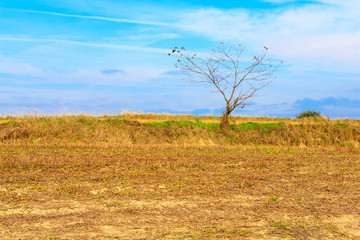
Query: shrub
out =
(308, 114)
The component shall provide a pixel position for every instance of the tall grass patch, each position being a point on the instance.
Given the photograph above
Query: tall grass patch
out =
(118, 130)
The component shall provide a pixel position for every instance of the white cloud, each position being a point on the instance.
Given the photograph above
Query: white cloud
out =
(96, 77)
(152, 37)
(89, 44)
(327, 35)
(26, 73)
(217, 24)
(279, 1)
(109, 19)
(10, 66)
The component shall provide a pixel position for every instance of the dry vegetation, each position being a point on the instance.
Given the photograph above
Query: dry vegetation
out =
(180, 130)
(178, 177)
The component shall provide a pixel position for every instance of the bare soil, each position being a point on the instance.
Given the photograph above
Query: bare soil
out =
(178, 192)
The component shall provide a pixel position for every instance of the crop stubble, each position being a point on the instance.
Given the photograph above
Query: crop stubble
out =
(178, 192)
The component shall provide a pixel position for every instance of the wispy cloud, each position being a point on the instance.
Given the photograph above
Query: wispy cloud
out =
(174, 73)
(152, 37)
(100, 45)
(9, 66)
(112, 71)
(109, 19)
(280, 1)
(22, 74)
(325, 33)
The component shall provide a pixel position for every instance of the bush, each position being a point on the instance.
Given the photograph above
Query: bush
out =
(308, 114)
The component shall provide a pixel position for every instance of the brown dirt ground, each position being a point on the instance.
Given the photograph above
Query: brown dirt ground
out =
(177, 192)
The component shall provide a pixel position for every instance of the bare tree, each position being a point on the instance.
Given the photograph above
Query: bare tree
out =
(236, 79)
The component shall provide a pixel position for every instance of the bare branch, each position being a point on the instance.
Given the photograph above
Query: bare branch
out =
(223, 69)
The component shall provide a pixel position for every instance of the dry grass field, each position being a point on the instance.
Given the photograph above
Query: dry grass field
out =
(178, 177)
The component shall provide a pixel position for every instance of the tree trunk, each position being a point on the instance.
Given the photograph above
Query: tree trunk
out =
(225, 123)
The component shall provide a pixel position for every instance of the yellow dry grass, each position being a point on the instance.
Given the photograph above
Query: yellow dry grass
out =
(145, 129)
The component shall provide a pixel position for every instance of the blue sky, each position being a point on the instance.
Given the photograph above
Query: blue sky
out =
(108, 56)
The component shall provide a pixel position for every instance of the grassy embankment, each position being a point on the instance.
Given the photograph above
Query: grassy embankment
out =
(185, 130)
(178, 177)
